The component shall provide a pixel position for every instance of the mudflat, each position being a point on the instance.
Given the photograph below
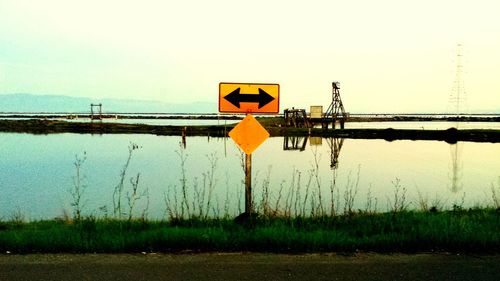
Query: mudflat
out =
(249, 266)
(41, 126)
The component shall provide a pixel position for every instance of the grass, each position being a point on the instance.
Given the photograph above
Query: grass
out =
(474, 230)
(306, 222)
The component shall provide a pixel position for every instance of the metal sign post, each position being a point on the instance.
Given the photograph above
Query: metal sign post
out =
(248, 135)
(248, 184)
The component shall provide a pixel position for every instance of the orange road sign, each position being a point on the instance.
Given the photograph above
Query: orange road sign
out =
(249, 98)
(249, 134)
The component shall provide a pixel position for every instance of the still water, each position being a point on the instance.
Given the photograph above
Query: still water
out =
(159, 122)
(431, 125)
(37, 173)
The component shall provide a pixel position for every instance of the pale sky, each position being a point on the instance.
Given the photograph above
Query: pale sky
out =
(388, 55)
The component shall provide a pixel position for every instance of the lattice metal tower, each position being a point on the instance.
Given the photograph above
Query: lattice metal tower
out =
(458, 96)
(335, 111)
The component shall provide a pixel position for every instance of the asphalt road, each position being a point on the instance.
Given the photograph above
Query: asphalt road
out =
(247, 266)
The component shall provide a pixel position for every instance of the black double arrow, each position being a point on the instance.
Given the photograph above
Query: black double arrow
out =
(235, 97)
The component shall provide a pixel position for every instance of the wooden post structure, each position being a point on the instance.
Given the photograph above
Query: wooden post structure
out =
(92, 116)
(248, 184)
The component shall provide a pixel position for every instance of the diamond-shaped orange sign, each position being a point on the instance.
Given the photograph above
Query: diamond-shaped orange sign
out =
(249, 134)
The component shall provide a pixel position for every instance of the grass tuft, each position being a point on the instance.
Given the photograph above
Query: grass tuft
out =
(407, 231)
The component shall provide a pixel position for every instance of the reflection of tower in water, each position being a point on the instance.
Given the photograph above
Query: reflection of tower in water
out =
(335, 146)
(456, 167)
(300, 142)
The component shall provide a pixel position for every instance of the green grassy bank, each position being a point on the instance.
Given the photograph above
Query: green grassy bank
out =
(475, 230)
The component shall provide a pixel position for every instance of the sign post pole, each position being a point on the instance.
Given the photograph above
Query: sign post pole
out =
(248, 184)
(248, 134)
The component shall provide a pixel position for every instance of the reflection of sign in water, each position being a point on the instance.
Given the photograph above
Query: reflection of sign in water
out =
(294, 143)
(249, 134)
(249, 98)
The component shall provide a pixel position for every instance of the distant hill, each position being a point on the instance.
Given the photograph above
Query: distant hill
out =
(54, 103)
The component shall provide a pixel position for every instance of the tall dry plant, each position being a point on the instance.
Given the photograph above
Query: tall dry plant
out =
(118, 191)
(350, 193)
(494, 195)
(79, 187)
